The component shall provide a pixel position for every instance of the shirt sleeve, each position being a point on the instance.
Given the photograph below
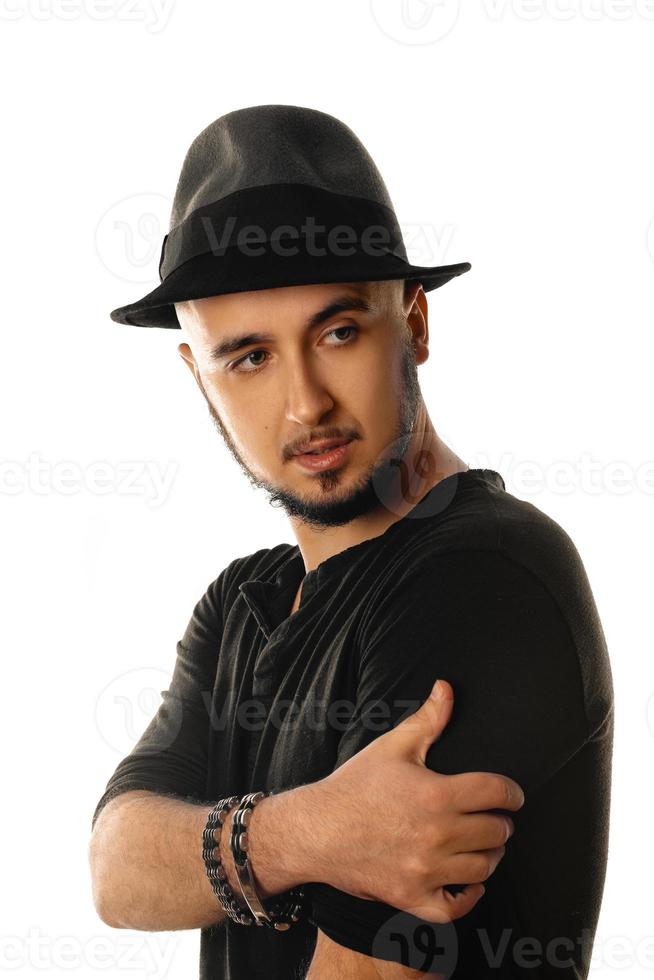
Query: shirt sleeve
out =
(171, 756)
(491, 628)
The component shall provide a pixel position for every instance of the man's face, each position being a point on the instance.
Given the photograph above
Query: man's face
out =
(352, 375)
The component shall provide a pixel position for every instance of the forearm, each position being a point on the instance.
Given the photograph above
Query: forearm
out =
(147, 867)
(146, 864)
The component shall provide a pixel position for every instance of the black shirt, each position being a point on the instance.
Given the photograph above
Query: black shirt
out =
(473, 585)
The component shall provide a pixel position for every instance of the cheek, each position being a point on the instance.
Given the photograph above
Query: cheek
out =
(374, 369)
(251, 419)
(378, 381)
(238, 406)
(372, 400)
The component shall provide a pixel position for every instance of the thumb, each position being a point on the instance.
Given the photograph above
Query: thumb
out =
(413, 736)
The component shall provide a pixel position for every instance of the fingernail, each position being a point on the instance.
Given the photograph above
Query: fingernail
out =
(436, 691)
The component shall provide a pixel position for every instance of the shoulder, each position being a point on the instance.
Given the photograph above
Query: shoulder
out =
(485, 535)
(461, 593)
(490, 554)
(494, 572)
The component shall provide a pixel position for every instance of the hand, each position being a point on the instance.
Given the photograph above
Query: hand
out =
(397, 832)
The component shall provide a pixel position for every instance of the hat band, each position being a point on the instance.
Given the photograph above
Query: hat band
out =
(283, 220)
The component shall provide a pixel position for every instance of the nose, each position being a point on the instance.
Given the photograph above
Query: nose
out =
(307, 398)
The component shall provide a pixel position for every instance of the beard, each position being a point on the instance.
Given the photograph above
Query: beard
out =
(383, 481)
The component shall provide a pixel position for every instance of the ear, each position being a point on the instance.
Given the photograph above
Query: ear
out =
(416, 313)
(186, 354)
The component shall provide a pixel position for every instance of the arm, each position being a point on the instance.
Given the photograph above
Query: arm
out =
(493, 631)
(145, 852)
(145, 855)
(334, 962)
(171, 757)
(147, 866)
(146, 849)
(145, 842)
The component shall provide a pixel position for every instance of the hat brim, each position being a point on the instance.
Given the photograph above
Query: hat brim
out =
(208, 275)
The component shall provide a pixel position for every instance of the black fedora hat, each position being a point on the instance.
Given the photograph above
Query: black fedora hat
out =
(276, 195)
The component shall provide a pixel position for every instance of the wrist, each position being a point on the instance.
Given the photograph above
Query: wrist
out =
(284, 840)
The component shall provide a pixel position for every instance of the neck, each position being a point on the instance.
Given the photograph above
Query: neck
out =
(427, 461)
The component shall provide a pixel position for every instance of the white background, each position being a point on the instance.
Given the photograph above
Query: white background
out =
(516, 136)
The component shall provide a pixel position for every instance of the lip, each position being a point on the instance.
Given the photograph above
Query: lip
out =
(323, 444)
(324, 461)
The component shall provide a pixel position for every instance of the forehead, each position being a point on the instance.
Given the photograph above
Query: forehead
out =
(210, 317)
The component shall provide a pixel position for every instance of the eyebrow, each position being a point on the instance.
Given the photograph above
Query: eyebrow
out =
(343, 304)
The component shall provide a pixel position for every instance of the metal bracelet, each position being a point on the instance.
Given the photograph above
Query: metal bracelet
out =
(282, 911)
(215, 870)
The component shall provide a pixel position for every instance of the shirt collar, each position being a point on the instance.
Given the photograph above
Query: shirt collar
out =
(270, 598)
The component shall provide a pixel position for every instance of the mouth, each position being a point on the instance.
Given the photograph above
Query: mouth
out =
(332, 455)
(321, 446)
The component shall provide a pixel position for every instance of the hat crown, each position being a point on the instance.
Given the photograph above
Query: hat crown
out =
(276, 195)
(275, 144)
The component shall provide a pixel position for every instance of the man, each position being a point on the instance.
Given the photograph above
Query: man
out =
(409, 566)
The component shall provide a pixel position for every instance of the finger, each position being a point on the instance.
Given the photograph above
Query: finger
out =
(480, 831)
(475, 791)
(445, 907)
(473, 866)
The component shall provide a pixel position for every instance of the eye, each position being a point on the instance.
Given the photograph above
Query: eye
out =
(257, 367)
(336, 329)
(243, 360)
